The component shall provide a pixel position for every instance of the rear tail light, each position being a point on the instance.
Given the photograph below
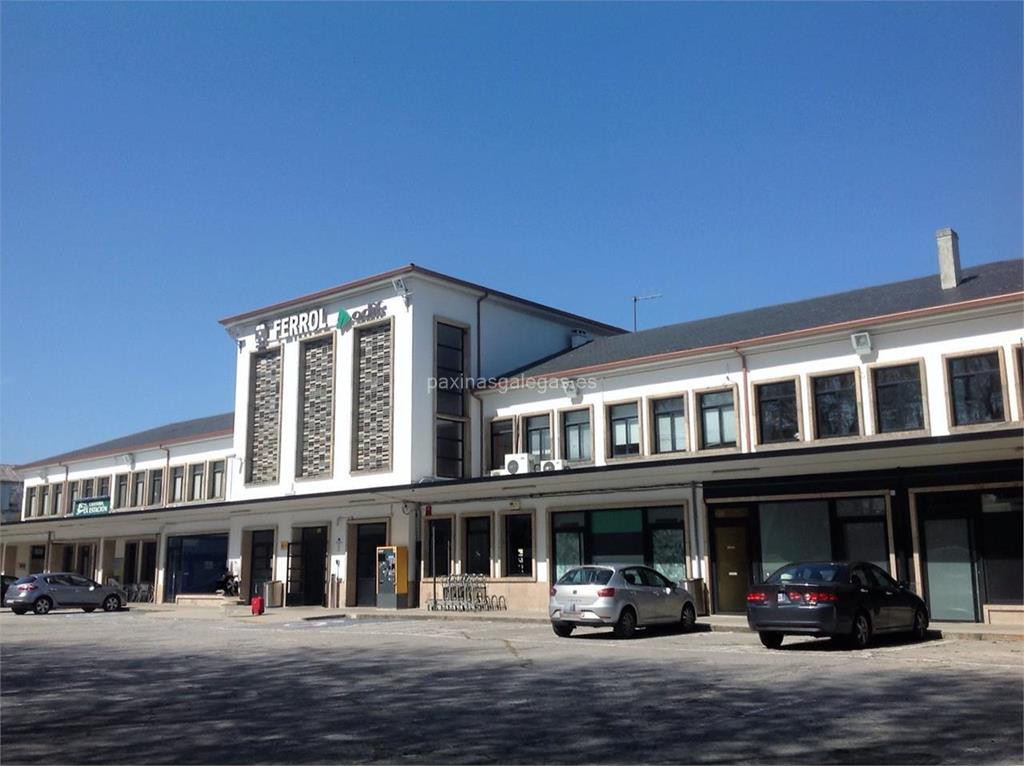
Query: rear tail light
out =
(820, 597)
(756, 597)
(605, 592)
(553, 591)
(26, 586)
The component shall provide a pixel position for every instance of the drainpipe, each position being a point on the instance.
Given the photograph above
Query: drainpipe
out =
(745, 425)
(479, 373)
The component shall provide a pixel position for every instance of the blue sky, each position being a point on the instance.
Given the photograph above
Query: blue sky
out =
(165, 165)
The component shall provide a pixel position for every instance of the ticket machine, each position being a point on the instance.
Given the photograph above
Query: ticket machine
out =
(392, 576)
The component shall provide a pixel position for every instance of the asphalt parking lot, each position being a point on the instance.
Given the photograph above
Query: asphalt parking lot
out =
(132, 687)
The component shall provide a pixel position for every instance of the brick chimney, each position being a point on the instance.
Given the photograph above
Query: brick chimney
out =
(949, 257)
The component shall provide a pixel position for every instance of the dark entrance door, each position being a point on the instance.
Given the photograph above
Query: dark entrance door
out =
(307, 567)
(261, 560)
(732, 567)
(37, 559)
(368, 537)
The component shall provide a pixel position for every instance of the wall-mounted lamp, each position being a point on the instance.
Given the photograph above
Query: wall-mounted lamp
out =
(861, 342)
(401, 288)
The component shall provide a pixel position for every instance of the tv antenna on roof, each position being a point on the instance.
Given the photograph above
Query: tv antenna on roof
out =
(637, 299)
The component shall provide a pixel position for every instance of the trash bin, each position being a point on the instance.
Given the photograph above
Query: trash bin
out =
(273, 593)
(696, 587)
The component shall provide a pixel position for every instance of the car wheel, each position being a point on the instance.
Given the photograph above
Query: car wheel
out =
(111, 604)
(920, 629)
(860, 634)
(18, 611)
(770, 639)
(626, 624)
(43, 605)
(562, 629)
(688, 618)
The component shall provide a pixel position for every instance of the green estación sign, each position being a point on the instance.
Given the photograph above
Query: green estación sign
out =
(91, 506)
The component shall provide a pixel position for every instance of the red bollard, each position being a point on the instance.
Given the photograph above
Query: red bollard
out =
(257, 605)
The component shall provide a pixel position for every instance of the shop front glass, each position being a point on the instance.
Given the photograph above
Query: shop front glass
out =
(650, 536)
(195, 564)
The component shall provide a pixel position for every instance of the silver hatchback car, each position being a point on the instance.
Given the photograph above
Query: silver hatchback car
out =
(625, 596)
(41, 593)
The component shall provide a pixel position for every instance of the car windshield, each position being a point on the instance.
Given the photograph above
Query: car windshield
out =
(586, 576)
(812, 573)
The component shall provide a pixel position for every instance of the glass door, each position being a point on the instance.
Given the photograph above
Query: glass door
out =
(949, 569)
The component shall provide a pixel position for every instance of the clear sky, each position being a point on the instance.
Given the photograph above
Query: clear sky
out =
(165, 165)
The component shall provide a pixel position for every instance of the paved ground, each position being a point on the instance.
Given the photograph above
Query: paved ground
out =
(133, 687)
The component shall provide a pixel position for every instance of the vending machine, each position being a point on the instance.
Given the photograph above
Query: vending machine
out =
(392, 577)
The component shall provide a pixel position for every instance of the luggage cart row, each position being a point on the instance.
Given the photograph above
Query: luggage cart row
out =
(466, 593)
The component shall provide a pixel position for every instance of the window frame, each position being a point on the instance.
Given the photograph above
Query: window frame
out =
(188, 483)
(131, 489)
(184, 483)
(489, 445)
(755, 415)
(523, 445)
(858, 398)
(464, 547)
(125, 502)
(948, 384)
(652, 445)
(71, 494)
(561, 451)
(871, 369)
(208, 494)
(31, 502)
(699, 394)
(151, 474)
(453, 561)
(57, 499)
(1017, 352)
(300, 401)
(503, 543)
(465, 419)
(609, 438)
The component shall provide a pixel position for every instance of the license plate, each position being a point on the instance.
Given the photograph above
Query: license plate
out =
(782, 598)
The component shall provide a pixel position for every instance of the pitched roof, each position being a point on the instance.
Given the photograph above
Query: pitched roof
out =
(172, 433)
(412, 268)
(979, 282)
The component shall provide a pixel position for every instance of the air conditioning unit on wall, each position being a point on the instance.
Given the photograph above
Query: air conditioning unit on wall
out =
(520, 462)
(553, 465)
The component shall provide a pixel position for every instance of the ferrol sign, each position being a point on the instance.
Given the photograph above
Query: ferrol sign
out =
(91, 506)
(313, 321)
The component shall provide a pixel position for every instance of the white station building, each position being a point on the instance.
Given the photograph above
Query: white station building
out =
(490, 435)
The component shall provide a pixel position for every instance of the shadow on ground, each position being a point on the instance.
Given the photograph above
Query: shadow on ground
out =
(260, 700)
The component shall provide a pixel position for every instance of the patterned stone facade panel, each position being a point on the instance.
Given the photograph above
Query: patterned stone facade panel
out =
(372, 449)
(316, 417)
(264, 451)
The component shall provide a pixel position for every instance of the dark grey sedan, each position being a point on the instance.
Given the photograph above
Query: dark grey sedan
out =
(848, 600)
(41, 593)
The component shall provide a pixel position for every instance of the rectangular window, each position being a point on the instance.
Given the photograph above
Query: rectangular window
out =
(138, 489)
(373, 399)
(215, 486)
(58, 497)
(87, 489)
(32, 502)
(44, 500)
(178, 484)
(776, 412)
(262, 462)
(502, 442)
(718, 420)
(624, 429)
(899, 405)
(121, 490)
(316, 408)
(518, 545)
(450, 401)
(835, 405)
(976, 386)
(156, 486)
(538, 436)
(576, 435)
(195, 482)
(103, 486)
(669, 419)
(478, 545)
(72, 496)
(439, 547)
